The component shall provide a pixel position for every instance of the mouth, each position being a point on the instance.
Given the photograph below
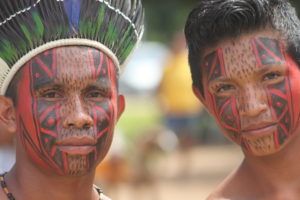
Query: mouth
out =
(76, 150)
(77, 145)
(259, 129)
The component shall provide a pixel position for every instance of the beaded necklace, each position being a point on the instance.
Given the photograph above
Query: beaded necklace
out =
(11, 197)
(4, 187)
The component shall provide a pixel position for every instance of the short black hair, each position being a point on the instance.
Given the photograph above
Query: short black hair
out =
(215, 20)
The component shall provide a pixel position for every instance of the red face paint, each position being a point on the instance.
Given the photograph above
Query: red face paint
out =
(250, 87)
(66, 110)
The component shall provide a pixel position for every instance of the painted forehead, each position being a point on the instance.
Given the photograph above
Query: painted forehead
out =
(243, 56)
(71, 65)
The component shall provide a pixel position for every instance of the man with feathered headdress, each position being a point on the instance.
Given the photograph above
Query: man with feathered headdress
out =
(60, 62)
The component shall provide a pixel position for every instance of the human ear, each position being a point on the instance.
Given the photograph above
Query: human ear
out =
(7, 115)
(199, 95)
(121, 105)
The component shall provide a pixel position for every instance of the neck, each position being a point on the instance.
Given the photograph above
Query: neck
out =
(279, 171)
(28, 182)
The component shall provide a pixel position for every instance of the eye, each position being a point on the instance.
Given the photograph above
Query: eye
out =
(94, 94)
(271, 76)
(224, 88)
(97, 95)
(51, 94)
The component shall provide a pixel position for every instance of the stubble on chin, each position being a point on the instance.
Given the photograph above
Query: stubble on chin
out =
(77, 164)
(262, 145)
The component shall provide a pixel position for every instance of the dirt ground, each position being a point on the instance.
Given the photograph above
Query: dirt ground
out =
(188, 176)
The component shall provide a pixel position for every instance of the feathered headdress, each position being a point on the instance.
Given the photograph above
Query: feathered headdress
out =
(29, 27)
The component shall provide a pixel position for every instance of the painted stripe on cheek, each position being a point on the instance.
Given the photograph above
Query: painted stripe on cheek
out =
(45, 113)
(102, 132)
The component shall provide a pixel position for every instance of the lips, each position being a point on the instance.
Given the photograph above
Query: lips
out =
(259, 129)
(77, 145)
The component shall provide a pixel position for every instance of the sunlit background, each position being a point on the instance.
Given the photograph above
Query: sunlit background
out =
(166, 146)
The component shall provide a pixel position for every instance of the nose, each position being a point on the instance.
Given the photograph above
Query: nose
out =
(77, 114)
(253, 101)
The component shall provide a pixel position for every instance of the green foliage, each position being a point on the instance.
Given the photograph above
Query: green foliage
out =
(140, 114)
(296, 3)
(165, 18)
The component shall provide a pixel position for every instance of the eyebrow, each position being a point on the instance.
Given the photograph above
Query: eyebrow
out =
(266, 68)
(98, 86)
(51, 85)
(104, 87)
(107, 90)
(43, 88)
(220, 78)
(262, 70)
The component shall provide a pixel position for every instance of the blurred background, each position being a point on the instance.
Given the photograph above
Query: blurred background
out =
(166, 146)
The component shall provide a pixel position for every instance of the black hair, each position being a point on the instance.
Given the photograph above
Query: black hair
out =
(213, 21)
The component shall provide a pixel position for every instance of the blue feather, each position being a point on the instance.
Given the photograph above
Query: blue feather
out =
(72, 8)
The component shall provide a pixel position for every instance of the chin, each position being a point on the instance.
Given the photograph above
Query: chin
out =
(78, 173)
(262, 146)
(79, 165)
(75, 172)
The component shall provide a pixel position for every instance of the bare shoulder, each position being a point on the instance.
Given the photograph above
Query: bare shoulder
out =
(233, 187)
(220, 193)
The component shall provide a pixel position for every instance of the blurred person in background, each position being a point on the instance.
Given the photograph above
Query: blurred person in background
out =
(180, 108)
(178, 104)
(60, 63)
(244, 59)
